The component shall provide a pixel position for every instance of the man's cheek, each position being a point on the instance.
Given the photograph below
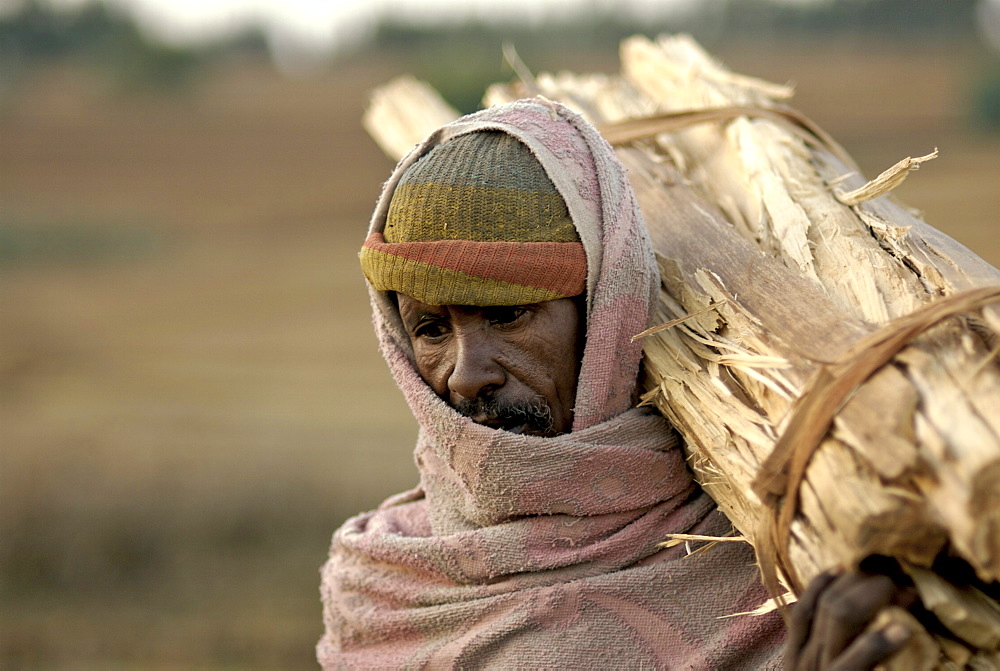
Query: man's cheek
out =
(433, 368)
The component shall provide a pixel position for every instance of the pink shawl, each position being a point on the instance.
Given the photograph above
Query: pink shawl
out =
(518, 551)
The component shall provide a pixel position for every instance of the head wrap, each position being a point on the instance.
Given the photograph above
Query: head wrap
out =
(476, 221)
(622, 279)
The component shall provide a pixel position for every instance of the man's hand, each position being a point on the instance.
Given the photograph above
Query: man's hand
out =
(827, 625)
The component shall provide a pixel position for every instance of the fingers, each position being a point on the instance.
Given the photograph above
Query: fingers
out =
(845, 609)
(871, 648)
(802, 614)
(827, 626)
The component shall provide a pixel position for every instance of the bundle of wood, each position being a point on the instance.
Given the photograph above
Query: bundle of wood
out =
(830, 359)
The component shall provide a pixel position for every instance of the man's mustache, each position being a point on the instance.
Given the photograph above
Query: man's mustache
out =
(533, 414)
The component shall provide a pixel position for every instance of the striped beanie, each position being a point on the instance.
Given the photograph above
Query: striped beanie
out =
(476, 221)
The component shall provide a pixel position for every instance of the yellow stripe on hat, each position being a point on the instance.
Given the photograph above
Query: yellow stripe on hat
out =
(441, 286)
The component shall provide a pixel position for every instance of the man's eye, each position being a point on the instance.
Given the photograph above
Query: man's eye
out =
(500, 316)
(430, 330)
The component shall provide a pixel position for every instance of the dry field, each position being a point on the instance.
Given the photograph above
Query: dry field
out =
(191, 399)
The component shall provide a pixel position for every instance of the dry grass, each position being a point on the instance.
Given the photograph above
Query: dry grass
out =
(184, 423)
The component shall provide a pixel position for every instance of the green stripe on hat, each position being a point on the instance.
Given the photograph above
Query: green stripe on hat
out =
(424, 212)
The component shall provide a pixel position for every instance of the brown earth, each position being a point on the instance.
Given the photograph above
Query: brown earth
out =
(191, 398)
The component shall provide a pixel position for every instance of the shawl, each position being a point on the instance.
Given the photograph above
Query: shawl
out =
(521, 551)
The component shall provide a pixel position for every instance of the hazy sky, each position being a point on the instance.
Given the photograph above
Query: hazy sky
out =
(328, 22)
(300, 29)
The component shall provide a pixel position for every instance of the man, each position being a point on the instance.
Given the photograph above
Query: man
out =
(509, 267)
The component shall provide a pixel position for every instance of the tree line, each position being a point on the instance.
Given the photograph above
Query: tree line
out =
(99, 34)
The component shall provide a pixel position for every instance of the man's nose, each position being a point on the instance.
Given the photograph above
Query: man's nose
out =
(476, 370)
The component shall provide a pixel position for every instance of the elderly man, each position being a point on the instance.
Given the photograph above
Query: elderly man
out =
(509, 268)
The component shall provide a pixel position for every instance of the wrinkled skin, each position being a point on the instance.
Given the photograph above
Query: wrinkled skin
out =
(485, 360)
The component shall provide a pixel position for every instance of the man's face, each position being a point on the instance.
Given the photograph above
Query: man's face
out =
(508, 367)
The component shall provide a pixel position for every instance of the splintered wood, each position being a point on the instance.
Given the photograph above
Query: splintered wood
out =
(832, 359)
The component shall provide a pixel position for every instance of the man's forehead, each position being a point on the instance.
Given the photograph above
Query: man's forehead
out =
(410, 306)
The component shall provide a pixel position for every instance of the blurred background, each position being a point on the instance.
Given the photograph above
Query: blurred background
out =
(191, 398)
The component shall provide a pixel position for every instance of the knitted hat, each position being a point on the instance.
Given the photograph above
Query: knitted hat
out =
(476, 221)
